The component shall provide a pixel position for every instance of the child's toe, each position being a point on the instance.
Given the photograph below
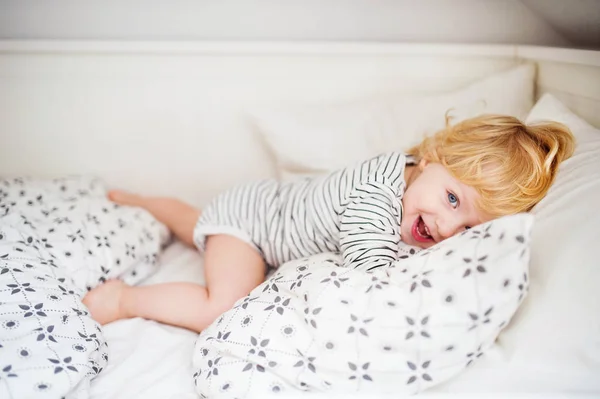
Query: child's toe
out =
(124, 197)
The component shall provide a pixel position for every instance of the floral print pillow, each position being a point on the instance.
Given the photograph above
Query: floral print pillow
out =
(316, 326)
(59, 238)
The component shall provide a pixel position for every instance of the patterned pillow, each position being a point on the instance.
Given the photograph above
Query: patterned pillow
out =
(57, 239)
(315, 326)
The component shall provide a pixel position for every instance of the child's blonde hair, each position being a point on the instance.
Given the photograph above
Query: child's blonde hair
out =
(511, 165)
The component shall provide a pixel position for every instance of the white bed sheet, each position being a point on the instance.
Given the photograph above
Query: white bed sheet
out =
(148, 359)
(152, 360)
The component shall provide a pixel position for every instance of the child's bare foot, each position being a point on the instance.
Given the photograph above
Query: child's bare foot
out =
(125, 198)
(104, 302)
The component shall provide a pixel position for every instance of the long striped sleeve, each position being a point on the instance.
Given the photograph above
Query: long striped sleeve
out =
(370, 222)
(355, 211)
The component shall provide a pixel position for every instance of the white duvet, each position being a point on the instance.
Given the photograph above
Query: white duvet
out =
(151, 360)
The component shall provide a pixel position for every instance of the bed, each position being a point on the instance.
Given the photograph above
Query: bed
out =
(171, 118)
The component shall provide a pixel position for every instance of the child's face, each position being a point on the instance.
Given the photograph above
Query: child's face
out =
(436, 206)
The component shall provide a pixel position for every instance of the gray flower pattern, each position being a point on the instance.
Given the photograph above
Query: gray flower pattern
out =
(316, 326)
(50, 231)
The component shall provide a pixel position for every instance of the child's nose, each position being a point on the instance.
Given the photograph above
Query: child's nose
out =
(448, 227)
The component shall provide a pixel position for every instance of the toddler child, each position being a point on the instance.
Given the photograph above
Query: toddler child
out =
(464, 175)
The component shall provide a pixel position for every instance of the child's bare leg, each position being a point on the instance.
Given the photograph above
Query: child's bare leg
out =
(178, 216)
(232, 270)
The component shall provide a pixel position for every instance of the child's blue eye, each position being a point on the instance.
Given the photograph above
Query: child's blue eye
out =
(452, 199)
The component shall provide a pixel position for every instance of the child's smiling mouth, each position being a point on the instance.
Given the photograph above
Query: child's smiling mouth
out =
(420, 231)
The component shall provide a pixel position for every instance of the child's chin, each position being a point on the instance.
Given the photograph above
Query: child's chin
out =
(423, 245)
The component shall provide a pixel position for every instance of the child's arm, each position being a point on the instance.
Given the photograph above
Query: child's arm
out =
(370, 226)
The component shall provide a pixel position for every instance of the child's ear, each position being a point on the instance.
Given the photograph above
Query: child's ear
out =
(422, 163)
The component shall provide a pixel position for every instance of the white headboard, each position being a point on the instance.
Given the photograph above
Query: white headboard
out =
(573, 76)
(163, 117)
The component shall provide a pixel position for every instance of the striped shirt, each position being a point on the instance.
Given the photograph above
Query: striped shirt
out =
(355, 211)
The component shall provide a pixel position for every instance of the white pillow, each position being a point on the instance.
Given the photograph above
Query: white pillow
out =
(317, 326)
(316, 139)
(553, 344)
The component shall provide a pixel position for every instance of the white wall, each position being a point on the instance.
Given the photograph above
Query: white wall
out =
(455, 21)
(577, 20)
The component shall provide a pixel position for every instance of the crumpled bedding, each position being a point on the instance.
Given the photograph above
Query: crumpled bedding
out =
(58, 238)
(151, 361)
(320, 327)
